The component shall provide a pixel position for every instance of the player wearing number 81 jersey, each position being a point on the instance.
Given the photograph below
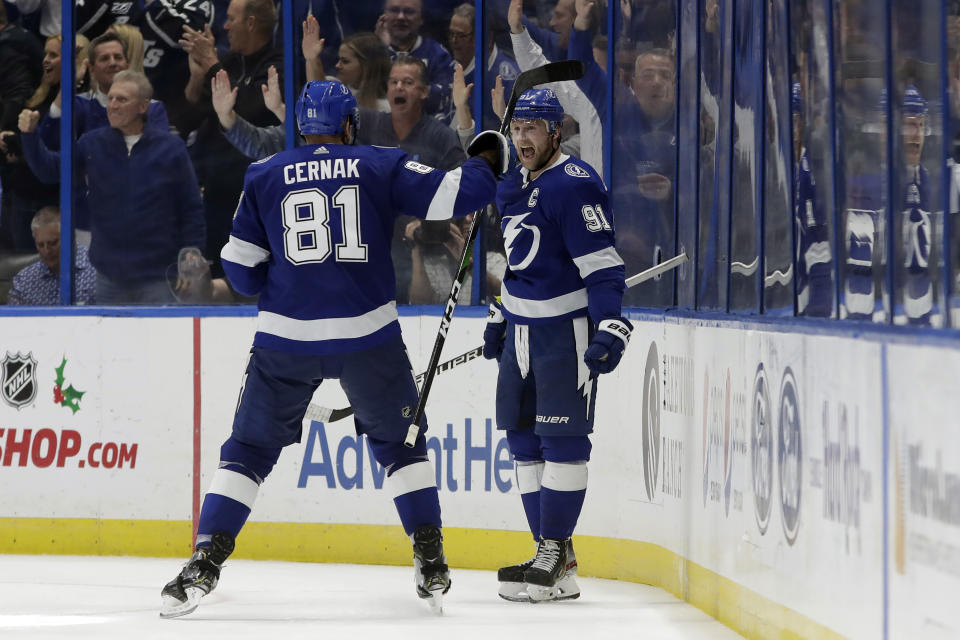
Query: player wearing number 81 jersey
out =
(311, 236)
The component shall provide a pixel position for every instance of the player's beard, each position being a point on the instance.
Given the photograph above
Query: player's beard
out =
(554, 146)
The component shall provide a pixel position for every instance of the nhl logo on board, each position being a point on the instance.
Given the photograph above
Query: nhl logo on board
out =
(19, 379)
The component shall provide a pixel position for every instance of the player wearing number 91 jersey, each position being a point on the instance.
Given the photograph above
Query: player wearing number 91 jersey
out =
(311, 236)
(557, 327)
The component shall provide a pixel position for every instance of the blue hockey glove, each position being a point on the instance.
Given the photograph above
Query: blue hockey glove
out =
(495, 333)
(492, 141)
(605, 350)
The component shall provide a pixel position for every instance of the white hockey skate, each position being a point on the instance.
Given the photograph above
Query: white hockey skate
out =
(514, 586)
(199, 577)
(430, 566)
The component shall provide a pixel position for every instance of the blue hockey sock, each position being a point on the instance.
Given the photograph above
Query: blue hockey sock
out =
(227, 504)
(413, 480)
(234, 488)
(418, 508)
(561, 498)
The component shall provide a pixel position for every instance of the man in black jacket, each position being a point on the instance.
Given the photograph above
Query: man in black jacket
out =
(20, 58)
(220, 166)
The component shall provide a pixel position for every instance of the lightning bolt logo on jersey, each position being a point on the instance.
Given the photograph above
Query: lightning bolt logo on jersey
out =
(559, 241)
(521, 247)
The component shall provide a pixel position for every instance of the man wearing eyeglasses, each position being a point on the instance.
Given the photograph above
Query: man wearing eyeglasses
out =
(399, 29)
(461, 37)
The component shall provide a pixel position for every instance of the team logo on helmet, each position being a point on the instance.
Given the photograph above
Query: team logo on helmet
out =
(538, 104)
(19, 379)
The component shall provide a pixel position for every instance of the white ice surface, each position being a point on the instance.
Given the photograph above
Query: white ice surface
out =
(103, 598)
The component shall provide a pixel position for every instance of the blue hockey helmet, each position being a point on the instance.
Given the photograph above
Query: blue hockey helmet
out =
(323, 108)
(539, 104)
(913, 102)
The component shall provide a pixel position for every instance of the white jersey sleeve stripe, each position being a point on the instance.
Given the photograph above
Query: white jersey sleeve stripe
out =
(327, 328)
(573, 301)
(602, 259)
(441, 207)
(413, 477)
(244, 253)
(235, 486)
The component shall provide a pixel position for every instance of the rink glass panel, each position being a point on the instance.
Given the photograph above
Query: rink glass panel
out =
(747, 156)
(952, 153)
(688, 131)
(643, 172)
(813, 172)
(777, 271)
(860, 55)
(716, 68)
(917, 135)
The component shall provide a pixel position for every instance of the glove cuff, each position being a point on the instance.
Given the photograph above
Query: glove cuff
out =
(495, 314)
(492, 140)
(620, 327)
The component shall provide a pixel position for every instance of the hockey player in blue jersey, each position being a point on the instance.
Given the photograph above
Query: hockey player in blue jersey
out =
(917, 239)
(311, 236)
(559, 326)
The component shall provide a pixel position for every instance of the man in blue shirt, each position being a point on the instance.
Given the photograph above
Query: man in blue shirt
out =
(142, 193)
(311, 237)
(39, 284)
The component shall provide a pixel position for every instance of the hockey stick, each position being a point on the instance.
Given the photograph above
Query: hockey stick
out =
(552, 72)
(323, 414)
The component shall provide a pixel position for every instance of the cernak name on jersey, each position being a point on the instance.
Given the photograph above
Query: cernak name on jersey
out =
(314, 170)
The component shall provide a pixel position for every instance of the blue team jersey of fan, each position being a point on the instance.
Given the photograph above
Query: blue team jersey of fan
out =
(559, 239)
(312, 236)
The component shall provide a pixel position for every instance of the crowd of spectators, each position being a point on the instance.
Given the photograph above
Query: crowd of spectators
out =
(175, 98)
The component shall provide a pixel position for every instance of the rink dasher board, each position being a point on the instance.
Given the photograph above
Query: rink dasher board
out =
(696, 480)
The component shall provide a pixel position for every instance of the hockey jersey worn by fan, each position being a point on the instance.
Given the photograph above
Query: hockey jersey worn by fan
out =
(312, 236)
(559, 239)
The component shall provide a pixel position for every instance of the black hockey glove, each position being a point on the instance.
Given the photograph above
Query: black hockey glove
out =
(492, 141)
(495, 333)
(605, 350)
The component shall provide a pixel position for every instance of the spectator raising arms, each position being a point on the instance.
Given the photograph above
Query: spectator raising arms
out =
(363, 64)
(220, 166)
